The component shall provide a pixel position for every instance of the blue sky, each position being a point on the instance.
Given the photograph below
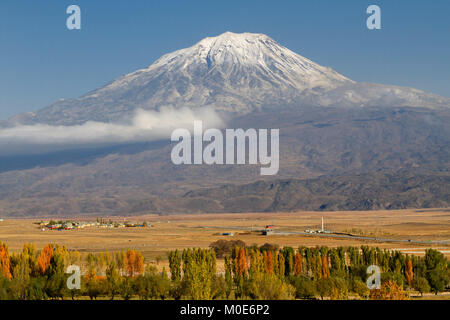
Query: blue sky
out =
(41, 61)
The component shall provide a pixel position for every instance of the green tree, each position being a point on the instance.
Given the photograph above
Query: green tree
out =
(438, 279)
(339, 289)
(56, 286)
(289, 261)
(36, 289)
(304, 287)
(421, 284)
(127, 288)
(199, 271)
(92, 285)
(175, 265)
(434, 259)
(268, 287)
(280, 266)
(360, 288)
(228, 276)
(152, 285)
(220, 289)
(437, 273)
(113, 280)
(20, 276)
(323, 287)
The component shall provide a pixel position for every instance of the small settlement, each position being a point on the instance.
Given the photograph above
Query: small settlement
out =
(72, 225)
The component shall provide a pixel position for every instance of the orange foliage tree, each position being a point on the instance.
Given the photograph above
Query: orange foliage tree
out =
(44, 258)
(134, 263)
(325, 270)
(298, 264)
(409, 271)
(268, 261)
(4, 261)
(242, 261)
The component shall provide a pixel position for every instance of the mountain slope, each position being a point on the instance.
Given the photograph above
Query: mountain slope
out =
(314, 142)
(237, 73)
(331, 129)
(358, 192)
(372, 191)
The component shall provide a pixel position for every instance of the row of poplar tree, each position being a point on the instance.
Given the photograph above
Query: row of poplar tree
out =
(270, 273)
(265, 272)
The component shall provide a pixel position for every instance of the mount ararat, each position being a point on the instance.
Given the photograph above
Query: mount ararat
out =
(235, 73)
(337, 137)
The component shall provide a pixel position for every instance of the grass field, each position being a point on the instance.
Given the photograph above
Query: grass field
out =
(183, 231)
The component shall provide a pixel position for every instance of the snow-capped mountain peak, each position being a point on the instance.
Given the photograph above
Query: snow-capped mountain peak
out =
(232, 72)
(251, 55)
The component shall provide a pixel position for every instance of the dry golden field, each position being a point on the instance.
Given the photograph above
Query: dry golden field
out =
(183, 231)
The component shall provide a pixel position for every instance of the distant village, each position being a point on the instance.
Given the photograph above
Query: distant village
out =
(100, 223)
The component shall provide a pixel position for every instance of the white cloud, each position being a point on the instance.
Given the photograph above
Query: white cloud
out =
(145, 126)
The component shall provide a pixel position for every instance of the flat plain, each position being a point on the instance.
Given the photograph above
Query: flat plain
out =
(430, 227)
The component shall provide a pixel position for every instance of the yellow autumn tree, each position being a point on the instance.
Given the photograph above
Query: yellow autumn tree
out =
(389, 290)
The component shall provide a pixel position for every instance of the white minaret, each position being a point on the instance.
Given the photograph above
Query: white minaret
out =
(322, 224)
